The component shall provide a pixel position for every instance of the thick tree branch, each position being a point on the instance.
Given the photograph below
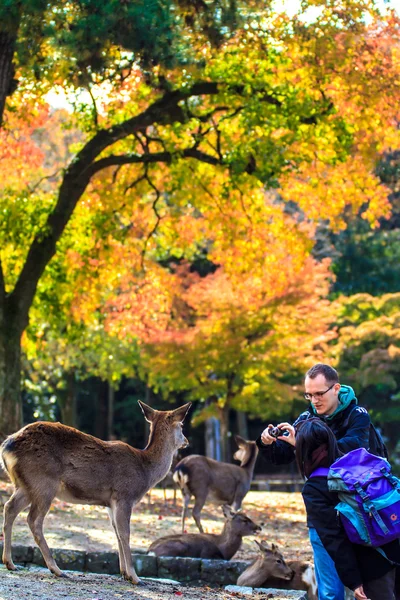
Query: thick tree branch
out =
(154, 157)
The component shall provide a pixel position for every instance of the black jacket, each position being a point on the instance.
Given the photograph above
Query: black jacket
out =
(351, 428)
(354, 563)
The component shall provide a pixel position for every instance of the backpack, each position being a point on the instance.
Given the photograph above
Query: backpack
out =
(369, 496)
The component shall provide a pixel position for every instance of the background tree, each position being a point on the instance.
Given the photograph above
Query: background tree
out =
(367, 351)
(208, 120)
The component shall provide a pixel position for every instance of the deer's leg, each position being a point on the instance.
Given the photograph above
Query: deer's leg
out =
(185, 507)
(237, 501)
(122, 564)
(18, 501)
(199, 502)
(36, 516)
(122, 515)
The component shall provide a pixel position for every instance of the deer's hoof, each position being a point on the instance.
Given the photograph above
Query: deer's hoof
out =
(60, 574)
(133, 580)
(10, 565)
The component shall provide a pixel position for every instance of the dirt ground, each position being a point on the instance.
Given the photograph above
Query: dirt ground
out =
(82, 527)
(38, 584)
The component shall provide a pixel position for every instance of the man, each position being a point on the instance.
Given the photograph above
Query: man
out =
(336, 405)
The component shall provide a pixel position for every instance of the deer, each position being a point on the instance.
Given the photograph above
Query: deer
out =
(208, 545)
(271, 570)
(220, 482)
(167, 481)
(48, 460)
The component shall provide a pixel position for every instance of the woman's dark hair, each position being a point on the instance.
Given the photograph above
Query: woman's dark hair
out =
(316, 446)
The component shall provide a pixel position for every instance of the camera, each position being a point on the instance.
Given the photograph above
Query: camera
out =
(276, 432)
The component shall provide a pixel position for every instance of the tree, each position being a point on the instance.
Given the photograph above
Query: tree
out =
(230, 338)
(232, 106)
(368, 354)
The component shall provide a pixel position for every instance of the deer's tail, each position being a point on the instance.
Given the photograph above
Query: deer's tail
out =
(7, 456)
(181, 476)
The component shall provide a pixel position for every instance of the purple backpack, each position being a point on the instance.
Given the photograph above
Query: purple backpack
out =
(369, 496)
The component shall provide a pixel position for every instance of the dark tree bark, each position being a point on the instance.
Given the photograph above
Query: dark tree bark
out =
(100, 423)
(224, 414)
(242, 426)
(110, 412)
(7, 71)
(69, 401)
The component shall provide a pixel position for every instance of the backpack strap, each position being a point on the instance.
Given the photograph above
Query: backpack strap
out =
(370, 508)
(391, 478)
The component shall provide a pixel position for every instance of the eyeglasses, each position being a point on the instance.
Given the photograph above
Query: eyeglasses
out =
(308, 396)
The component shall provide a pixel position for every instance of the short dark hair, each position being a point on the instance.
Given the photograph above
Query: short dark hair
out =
(330, 374)
(311, 435)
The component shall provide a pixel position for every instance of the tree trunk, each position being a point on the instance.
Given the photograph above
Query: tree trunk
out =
(10, 380)
(242, 427)
(7, 46)
(213, 438)
(68, 403)
(101, 411)
(110, 412)
(223, 414)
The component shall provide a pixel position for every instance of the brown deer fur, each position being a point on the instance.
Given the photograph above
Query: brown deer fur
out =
(48, 460)
(208, 545)
(267, 571)
(208, 479)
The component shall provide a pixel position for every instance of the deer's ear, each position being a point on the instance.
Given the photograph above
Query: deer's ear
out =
(228, 512)
(264, 546)
(274, 548)
(239, 440)
(259, 544)
(181, 412)
(149, 413)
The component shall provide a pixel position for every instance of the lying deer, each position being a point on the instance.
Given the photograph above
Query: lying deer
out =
(48, 460)
(208, 545)
(222, 483)
(270, 570)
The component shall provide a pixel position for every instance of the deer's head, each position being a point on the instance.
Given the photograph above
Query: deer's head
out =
(274, 561)
(168, 423)
(245, 450)
(239, 522)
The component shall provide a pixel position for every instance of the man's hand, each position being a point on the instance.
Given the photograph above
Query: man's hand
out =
(359, 593)
(268, 439)
(291, 437)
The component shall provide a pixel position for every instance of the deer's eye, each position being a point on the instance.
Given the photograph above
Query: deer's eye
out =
(279, 561)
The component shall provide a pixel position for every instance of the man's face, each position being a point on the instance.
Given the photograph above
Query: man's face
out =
(324, 404)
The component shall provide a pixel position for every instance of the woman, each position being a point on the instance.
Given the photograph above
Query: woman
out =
(361, 568)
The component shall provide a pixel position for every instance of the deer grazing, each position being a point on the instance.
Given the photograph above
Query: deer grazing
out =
(47, 460)
(271, 571)
(222, 483)
(208, 545)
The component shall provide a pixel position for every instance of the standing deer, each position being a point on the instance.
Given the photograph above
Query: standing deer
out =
(222, 483)
(167, 481)
(208, 545)
(270, 570)
(47, 460)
